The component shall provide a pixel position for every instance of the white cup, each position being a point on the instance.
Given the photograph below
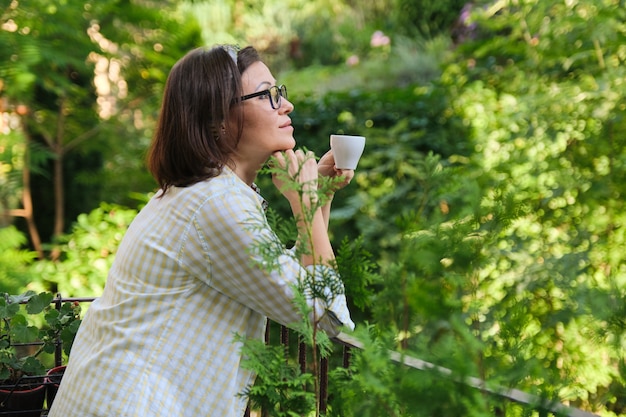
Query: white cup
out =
(347, 150)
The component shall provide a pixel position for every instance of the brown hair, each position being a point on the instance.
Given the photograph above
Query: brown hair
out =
(201, 94)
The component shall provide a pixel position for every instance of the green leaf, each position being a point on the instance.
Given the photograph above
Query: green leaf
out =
(5, 373)
(22, 332)
(37, 303)
(22, 298)
(7, 310)
(32, 366)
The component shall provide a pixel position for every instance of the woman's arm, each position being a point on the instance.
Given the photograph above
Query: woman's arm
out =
(312, 225)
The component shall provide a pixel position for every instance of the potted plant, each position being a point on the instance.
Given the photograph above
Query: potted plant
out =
(62, 324)
(30, 326)
(53, 380)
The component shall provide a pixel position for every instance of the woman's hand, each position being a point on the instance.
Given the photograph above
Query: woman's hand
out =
(302, 169)
(326, 168)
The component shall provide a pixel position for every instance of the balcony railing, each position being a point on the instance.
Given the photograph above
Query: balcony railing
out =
(348, 344)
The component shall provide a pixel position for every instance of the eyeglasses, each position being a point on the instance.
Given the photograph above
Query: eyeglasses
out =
(274, 93)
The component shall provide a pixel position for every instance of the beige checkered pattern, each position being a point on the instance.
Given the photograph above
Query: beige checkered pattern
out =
(159, 341)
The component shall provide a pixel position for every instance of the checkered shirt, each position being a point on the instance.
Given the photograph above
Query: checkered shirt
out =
(159, 340)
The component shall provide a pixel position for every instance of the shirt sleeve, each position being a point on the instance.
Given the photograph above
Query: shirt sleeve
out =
(333, 308)
(249, 264)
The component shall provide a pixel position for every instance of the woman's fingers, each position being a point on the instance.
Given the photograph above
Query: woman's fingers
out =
(279, 158)
(346, 174)
(301, 166)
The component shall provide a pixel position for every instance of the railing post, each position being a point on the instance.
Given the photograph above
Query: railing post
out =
(323, 384)
(284, 340)
(267, 331)
(302, 356)
(58, 344)
(346, 356)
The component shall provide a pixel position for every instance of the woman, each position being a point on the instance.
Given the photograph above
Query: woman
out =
(186, 279)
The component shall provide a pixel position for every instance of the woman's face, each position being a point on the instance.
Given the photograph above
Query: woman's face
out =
(265, 130)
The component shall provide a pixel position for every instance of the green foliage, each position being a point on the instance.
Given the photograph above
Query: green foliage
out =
(430, 296)
(11, 164)
(285, 229)
(482, 230)
(415, 62)
(148, 38)
(371, 386)
(401, 126)
(499, 253)
(270, 251)
(296, 33)
(14, 261)
(543, 105)
(88, 253)
(63, 324)
(75, 102)
(427, 18)
(280, 387)
(357, 271)
(17, 313)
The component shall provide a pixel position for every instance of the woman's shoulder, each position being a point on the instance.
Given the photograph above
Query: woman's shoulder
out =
(226, 181)
(225, 188)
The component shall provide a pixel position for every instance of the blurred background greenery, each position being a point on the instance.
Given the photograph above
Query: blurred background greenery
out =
(489, 197)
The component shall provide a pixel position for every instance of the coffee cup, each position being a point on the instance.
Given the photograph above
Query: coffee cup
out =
(347, 150)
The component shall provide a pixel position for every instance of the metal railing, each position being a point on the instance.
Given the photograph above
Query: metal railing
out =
(513, 395)
(347, 343)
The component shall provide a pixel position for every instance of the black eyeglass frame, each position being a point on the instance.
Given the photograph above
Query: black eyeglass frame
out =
(282, 92)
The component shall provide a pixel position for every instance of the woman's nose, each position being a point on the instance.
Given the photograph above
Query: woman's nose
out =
(286, 106)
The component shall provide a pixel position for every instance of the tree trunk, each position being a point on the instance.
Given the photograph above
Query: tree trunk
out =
(27, 203)
(59, 193)
(59, 205)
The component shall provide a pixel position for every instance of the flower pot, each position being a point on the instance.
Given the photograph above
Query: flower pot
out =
(24, 399)
(53, 379)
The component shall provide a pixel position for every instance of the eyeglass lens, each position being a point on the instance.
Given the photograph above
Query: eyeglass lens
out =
(276, 92)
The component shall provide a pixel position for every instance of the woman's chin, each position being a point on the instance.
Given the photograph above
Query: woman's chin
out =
(289, 144)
